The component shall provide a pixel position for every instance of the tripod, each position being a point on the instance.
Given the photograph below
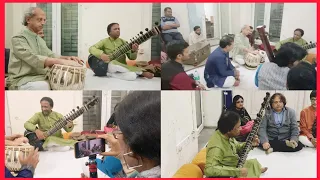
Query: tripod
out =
(92, 166)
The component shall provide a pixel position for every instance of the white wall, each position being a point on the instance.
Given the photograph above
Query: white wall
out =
(93, 21)
(180, 11)
(178, 139)
(22, 105)
(13, 20)
(95, 17)
(212, 104)
(300, 15)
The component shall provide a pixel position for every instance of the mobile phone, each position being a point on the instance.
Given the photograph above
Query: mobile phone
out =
(89, 147)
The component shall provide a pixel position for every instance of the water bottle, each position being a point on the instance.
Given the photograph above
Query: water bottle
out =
(196, 76)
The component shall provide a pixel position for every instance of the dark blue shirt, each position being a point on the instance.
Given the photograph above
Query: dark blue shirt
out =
(218, 68)
(23, 173)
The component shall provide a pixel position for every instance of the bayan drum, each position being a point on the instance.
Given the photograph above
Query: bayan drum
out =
(12, 154)
(252, 61)
(62, 77)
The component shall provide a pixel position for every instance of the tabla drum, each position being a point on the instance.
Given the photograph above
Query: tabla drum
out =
(12, 154)
(263, 55)
(252, 61)
(62, 77)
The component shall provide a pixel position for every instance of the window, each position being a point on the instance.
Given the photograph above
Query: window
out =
(275, 21)
(47, 29)
(259, 14)
(92, 117)
(69, 29)
(61, 29)
(116, 97)
(269, 14)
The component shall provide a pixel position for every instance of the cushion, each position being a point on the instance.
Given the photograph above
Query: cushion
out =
(200, 159)
(188, 171)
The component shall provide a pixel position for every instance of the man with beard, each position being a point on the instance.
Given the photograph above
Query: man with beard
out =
(195, 36)
(102, 65)
(170, 25)
(30, 58)
(45, 120)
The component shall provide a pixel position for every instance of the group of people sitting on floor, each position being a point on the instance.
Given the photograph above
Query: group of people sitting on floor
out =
(133, 153)
(279, 131)
(31, 59)
(170, 33)
(289, 70)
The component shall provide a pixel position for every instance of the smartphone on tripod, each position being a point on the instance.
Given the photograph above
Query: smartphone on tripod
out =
(89, 148)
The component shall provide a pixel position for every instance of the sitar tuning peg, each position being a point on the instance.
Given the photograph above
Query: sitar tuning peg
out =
(146, 29)
(73, 110)
(141, 32)
(78, 107)
(94, 96)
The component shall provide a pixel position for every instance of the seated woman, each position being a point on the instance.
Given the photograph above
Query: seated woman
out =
(273, 75)
(223, 149)
(246, 123)
(137, 142)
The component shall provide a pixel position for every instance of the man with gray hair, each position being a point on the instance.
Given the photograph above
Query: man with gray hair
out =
(242, 45)
(30, 57)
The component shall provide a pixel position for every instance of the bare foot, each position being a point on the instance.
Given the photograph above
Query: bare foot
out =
(147, 75)
(264, 169)
(236, 83)
(270, 150)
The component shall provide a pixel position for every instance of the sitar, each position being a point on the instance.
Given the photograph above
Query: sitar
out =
(257, 122)
(100, 67)
(32, 136)
(265, 42)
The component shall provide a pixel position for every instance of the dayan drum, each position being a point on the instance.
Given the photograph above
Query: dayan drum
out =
(198, 53)
(62, 77)
(252, 61)
(12, 154)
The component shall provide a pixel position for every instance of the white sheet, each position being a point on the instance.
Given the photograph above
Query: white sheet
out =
(108, 83)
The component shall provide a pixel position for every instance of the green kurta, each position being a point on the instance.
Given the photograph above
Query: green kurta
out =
(241, 42)
(28, 54)
(222, 158)
(300, 42)
(109, 45)
(45, 123)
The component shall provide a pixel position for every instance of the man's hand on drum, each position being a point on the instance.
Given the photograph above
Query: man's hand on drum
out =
(76, 59)
(71, 63)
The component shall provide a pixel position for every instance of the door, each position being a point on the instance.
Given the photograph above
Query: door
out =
(198, 112)
(197, 16)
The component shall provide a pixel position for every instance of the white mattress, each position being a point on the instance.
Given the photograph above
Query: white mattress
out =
(63, 165)
(302, 164)
(108, 83)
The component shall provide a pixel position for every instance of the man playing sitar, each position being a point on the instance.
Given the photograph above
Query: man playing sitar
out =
(45, 121)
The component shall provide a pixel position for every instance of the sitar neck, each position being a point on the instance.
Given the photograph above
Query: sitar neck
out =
(62, 122)
(309, 46)
(126, 47)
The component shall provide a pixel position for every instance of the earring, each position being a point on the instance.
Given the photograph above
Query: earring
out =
(131, 167)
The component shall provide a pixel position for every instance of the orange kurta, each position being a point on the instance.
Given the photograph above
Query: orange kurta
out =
(307, 118)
